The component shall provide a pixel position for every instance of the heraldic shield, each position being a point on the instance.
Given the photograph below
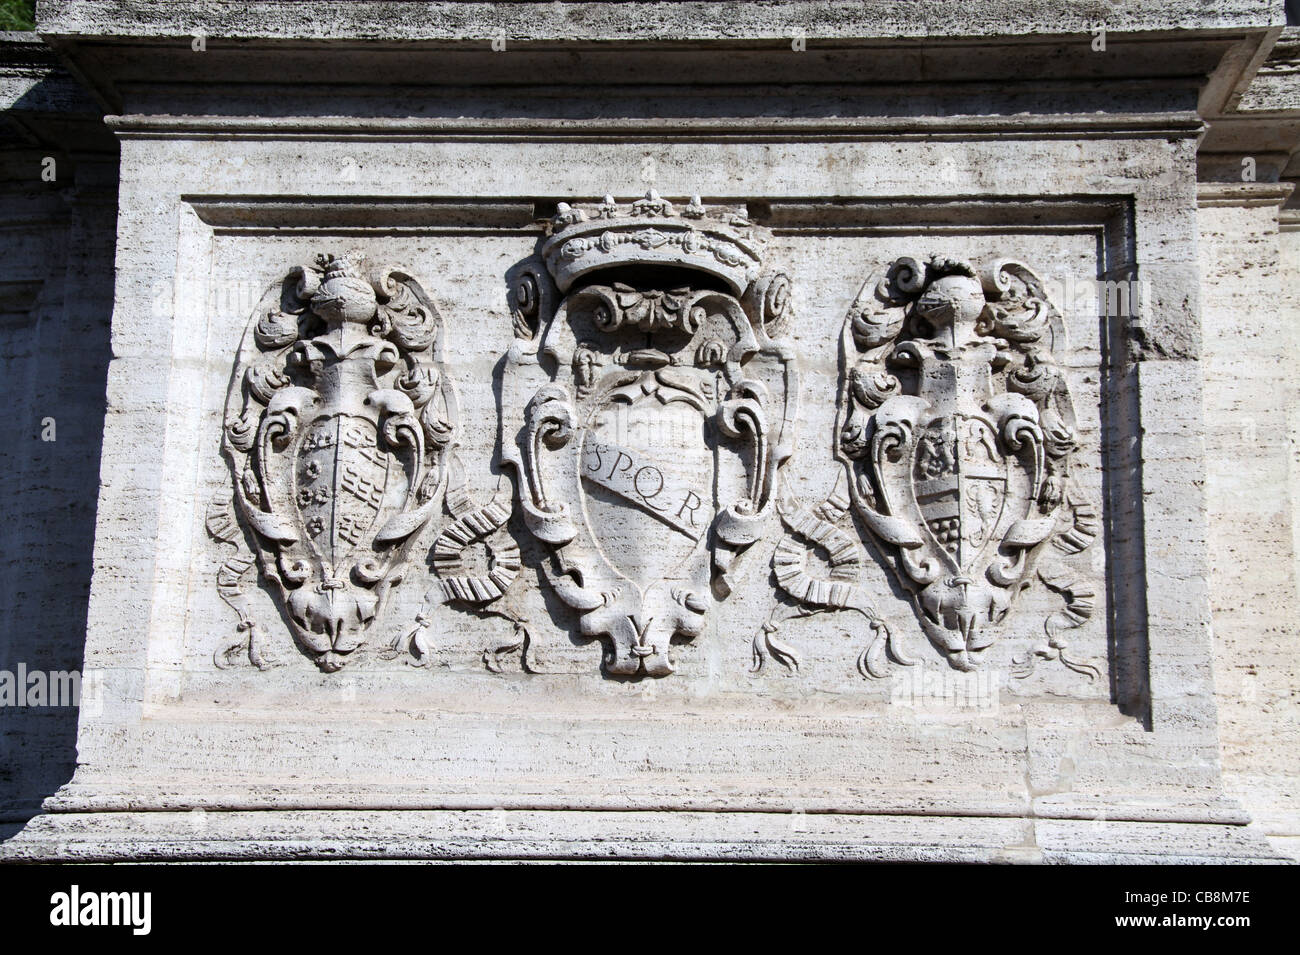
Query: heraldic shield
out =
(339, 426)
(957, 431)
(646, 414)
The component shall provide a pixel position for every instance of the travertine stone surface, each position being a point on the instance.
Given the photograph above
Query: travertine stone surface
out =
(1251, 450)
(650, 435)
(457, 19)
(56, 289)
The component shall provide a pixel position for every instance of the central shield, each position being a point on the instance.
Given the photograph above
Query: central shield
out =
(650, 453)
(960, 476)
(341, 478)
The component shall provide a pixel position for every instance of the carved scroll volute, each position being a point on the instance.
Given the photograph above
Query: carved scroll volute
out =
(956, 431)
(647, 416)
(340, 427)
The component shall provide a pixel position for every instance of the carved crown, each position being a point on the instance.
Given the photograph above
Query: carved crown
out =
(652, 231)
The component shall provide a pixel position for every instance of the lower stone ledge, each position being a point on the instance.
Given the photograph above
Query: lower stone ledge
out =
(550, 835)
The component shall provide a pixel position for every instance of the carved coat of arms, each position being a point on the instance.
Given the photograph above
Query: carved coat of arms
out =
(957, 434)
(646, 415)
(957, 431)
(339, 426)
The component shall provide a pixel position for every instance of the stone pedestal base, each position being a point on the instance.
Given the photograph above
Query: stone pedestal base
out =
(533, 835)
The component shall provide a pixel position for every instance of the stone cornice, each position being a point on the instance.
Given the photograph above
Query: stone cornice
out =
(336, 20)
(1243, 194)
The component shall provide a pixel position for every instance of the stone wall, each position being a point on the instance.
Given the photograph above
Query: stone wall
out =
(58, 207)
(1248, 311)
(957, 393)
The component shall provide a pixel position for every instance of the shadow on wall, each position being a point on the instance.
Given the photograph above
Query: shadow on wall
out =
(56, 297)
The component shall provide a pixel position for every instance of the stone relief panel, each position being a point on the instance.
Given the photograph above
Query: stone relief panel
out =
(641, 397)
(956, 432)
(340, 433)
(646, 414)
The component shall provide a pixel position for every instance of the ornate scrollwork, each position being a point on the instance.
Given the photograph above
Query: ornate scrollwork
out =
(340, 433)
(956, 432)
(658, 362)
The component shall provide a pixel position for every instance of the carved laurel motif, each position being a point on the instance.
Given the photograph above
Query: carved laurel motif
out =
(339, 433)
(646, 416)
(957, 433)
